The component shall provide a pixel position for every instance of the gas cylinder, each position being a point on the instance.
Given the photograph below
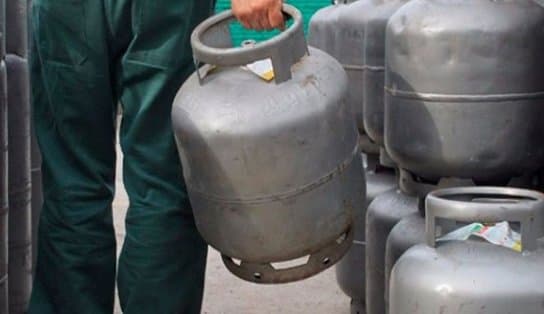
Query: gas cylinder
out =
(350, 270)
(339, 30)
(273, 169)
(20, 249)
(4, 190)
(407, 233)
(20, 240)
(383, 214)
(37, 195)
(4, 199)
(411, 229)
(16, 27)
(324, 25)
(474, 276)
(36, 175)
(374, 70)
(466, 77)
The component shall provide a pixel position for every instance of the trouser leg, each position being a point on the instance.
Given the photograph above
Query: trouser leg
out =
(161, 269)
(73, 111)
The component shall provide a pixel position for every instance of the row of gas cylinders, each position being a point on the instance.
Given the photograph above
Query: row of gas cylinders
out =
(447, 90)
(19, 162)
(444, 98)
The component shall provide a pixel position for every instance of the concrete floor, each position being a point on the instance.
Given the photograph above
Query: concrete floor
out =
(226, 294)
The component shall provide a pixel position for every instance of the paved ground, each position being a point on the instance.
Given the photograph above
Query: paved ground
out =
(226, 294)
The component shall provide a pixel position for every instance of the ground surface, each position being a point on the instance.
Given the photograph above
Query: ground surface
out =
(226, 294)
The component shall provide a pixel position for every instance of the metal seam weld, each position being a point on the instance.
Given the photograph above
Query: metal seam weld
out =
(285, 195)
(364, 67)
(461, 97)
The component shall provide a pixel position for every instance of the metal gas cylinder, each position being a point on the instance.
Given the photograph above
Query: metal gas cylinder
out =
(20, 190)
(466, 77)
(474, 276)
(4, 199)
(410, 230)
(382, 215)
(374, 70)
(16, 27)
(4, 165)
(37, 193)
(323, 26)
(36, 172)
(350, 270)
(20, 187)
(273, 170)
(340, 30)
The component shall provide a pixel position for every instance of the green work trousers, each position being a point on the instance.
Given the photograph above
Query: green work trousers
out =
(88, 56)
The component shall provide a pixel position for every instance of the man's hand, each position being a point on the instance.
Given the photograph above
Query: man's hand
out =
(259, 14)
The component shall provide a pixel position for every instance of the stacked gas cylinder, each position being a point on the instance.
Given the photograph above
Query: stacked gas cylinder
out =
(466, 79)
(451, 91)
(36, 174)
(341, 30)
(15, 86)
(354, 33)
(4, 190)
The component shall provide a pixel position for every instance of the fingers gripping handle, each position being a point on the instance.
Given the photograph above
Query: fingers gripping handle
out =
(490, 205)
(210, 45)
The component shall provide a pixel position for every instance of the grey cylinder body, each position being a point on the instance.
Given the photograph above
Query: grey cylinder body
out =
(20, 256)
(4, 166)
(339, 30)
(3, 29)
(427, 278)
(273, 170)
(474, 276)
(37, 196)
(407, 233)
(382, 215)
(4, 199)
(36, 176)
(350, 270)
(469, 93)
(20, 223)
(16, 27)
(411, 229)
(374, 68)
(240, 171)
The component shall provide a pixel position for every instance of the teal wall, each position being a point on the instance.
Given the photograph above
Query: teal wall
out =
(307, 7)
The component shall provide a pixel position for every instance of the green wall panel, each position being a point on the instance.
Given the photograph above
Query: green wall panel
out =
(307, 7)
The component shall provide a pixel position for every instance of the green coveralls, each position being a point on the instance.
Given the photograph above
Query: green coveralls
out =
(87, 56)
